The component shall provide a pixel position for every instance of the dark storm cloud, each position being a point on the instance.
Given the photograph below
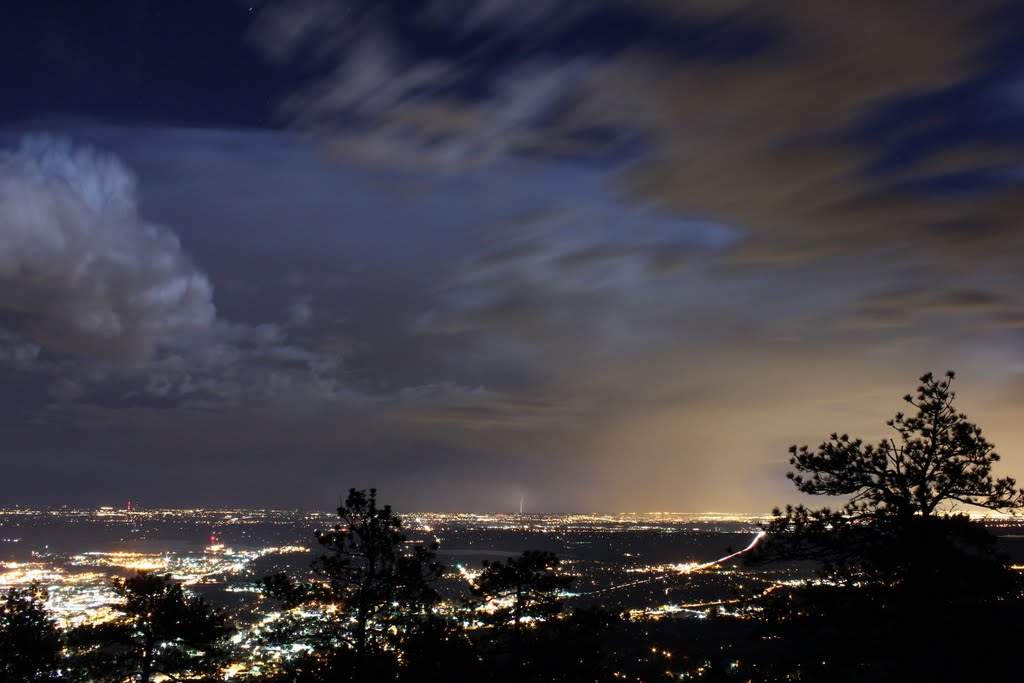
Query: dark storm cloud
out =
(342, 329)
(80, 271)
(95, 296)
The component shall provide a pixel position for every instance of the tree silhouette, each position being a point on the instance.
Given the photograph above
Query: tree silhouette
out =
(373, 588)
(437, 648)
(899, 554)
(902, 493)
(30, 643)
(941, 458)
(583, 644)
(519, 597)
(524, 587)
(160, 632)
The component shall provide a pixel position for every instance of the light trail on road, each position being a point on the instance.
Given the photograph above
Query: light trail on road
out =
(680, 569)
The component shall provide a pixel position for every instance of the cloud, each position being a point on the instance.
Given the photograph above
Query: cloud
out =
(300, 312)
(379, 104)
(792, 126)
(16, 351)
(80, 271)
(747, 113)
(448, 404)
(65, 389)
(508, 15)
(105, 306)
(519, 323)
(590, 270)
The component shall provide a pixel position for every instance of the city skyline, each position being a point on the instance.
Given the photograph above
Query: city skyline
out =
(608, 256)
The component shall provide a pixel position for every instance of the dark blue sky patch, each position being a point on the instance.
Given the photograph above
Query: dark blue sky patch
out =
(141, 60)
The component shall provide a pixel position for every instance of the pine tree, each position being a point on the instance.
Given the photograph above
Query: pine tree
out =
(372, 588)
(30, 643)
(159, 632)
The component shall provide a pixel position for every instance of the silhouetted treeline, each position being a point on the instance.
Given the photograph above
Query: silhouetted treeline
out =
(907, 590)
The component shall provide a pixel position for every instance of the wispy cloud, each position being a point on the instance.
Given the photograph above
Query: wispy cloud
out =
(752, 117)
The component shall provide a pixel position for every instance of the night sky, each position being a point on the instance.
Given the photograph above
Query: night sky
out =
(608, 255)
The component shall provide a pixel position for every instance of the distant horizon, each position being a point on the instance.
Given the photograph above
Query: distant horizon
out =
(979, 513)
(242, 508)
